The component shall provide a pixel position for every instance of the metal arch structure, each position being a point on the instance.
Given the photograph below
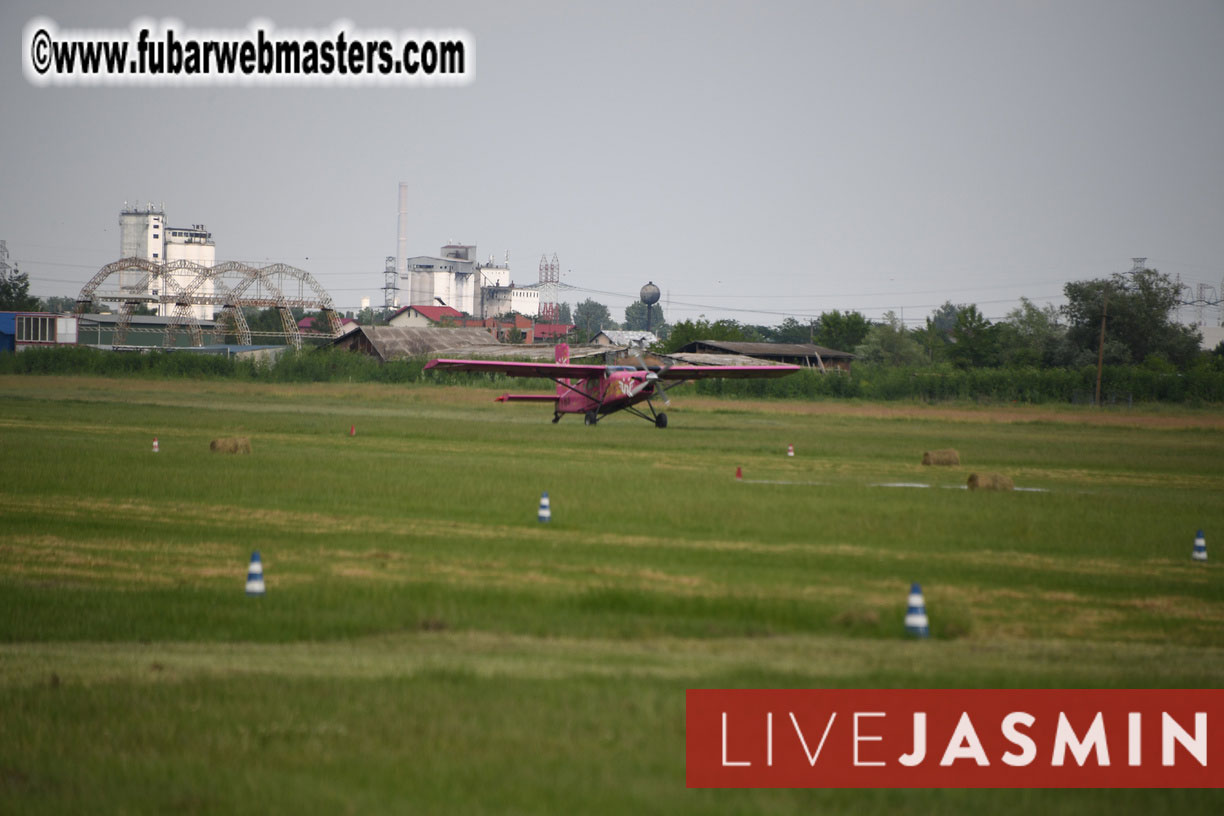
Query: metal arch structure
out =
(230, 285)
(146, 282)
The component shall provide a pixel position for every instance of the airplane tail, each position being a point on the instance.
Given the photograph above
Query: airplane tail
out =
(561, 355)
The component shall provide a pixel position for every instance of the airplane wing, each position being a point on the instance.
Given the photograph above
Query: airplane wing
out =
(554, 371)
(527, 398)
(729, 372)
(550, 371)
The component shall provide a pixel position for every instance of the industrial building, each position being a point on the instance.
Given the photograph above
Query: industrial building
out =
(504, 329)
(25, 330)
(146, 234)
(456, 279)
(390, 343)
(137, 332)
(500, 300)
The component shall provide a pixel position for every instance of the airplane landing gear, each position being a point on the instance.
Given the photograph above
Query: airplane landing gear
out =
(590, 418)
(660, 420)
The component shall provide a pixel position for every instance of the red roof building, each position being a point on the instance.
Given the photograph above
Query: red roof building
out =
(546, 332)
(425, 316)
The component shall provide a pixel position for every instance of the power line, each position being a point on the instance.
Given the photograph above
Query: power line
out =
(798, 312)
(891, 293)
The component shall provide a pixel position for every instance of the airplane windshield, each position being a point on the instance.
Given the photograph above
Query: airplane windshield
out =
(620, 368)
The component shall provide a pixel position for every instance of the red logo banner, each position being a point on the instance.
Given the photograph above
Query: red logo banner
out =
(955, 738)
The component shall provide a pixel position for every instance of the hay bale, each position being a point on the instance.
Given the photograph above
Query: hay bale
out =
(947, 456)
(231, 444)
(990, 481)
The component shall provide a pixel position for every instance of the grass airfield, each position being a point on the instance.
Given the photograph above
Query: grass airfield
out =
(426, 646)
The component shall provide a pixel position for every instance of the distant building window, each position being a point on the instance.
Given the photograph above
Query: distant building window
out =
(155, 235)
(35, 328)
(154, 254)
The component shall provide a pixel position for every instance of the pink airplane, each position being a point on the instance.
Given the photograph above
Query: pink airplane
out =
(602, 390)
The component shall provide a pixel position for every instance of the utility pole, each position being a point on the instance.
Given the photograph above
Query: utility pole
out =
(1137, 266)
(1101, 347)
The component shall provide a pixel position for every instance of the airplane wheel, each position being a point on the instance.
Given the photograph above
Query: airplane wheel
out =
(591, 418)
(661, 421)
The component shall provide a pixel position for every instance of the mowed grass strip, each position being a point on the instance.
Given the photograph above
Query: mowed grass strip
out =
(813, 660)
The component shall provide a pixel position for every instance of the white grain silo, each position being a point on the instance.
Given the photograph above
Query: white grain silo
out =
(194, 244)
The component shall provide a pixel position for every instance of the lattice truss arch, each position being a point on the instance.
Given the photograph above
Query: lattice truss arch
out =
(231, 285)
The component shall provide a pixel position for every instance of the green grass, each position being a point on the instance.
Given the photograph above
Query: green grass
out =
(426, 646)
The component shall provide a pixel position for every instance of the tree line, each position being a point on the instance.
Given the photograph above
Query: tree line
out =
(1125, 319)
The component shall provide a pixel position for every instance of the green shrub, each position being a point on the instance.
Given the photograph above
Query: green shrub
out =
(1155, 380)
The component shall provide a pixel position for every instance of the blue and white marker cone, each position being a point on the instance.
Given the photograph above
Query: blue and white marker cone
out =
(255, 581)
(915, 615)
(545, 508)
(1200, 547)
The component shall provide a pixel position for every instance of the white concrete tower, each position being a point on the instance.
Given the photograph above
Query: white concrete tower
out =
(194, 244)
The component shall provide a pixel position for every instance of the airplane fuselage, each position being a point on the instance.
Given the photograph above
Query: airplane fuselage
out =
(619, 388)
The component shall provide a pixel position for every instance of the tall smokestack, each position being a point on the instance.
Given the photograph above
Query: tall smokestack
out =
(401, 252)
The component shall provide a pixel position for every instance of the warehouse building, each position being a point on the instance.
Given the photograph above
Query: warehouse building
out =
(800, 354)
(22, 330)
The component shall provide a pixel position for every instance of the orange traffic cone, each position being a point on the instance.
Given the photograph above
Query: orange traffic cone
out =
(352, 430)
(155, 444)
(739, 474)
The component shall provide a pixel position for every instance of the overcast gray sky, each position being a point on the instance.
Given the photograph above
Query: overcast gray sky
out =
(755, 160)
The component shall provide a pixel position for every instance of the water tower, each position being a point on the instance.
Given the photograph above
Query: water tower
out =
(650, 296)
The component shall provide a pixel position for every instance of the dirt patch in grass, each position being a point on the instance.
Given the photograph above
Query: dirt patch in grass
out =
(1177, 607)
(363, 573)
(644, 577)
(1047, 563)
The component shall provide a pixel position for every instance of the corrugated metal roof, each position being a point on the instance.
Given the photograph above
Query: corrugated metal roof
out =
(395, 341)
(696, 358)
(111, 319)
(535, 352)
(391, 342)
(622, 337)
(771, 349)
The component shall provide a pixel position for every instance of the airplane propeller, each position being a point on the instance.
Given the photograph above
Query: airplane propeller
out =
(652, 377)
